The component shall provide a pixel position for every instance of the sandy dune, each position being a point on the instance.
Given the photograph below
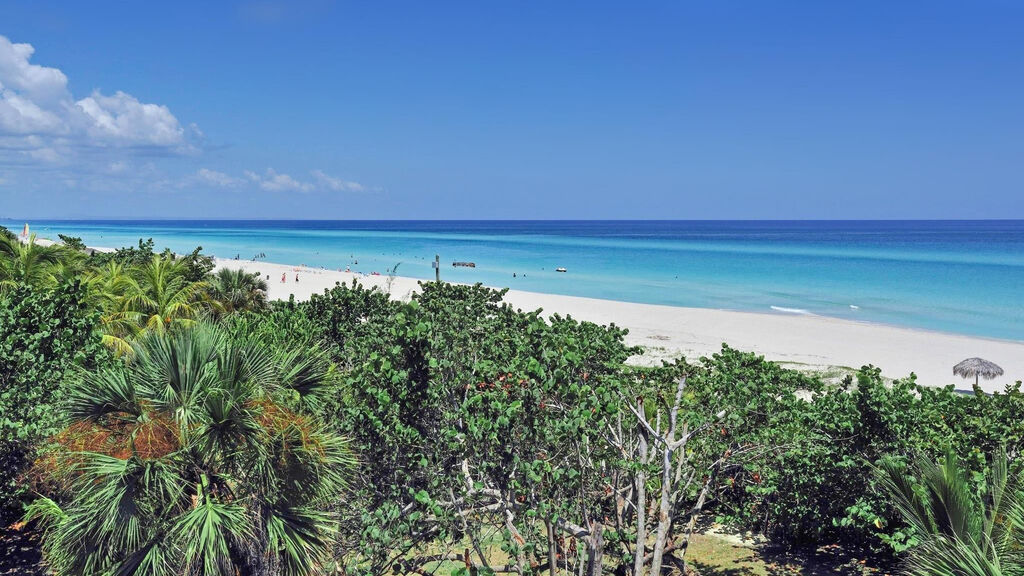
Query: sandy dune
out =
(668, 331)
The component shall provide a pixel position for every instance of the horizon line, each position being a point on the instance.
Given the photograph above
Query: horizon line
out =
(146, 219)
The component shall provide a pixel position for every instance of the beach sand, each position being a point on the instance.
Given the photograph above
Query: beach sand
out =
(666, 332)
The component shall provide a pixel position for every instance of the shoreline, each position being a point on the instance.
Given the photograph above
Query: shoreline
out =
(823, 344)
(819, 270)
(666, 332)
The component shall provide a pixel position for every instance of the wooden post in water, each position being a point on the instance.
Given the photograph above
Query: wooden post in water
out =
(437, 268)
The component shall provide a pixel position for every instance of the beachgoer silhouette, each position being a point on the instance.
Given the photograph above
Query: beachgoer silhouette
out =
(282, 277)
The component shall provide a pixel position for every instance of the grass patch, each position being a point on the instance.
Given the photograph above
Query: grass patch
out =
(723, 555)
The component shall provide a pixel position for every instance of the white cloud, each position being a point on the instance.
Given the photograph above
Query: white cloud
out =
(40, 118)
(215, 178)
(283, 183)
(19, 115)
(336, 184)
(101, 141)
(122, 120)
(273, 181)
(39, 83)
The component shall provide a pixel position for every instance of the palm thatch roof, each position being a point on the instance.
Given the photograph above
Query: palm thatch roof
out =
(977, 367)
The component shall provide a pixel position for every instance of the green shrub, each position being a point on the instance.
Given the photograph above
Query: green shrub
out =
(42, 335)
(813, 481)
(454, 385)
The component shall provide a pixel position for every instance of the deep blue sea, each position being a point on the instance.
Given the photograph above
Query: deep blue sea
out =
(954, 276)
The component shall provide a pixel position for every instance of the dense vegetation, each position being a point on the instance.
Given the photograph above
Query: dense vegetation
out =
(162, 419)
(43, 334)
(198, 456)
(963, 531)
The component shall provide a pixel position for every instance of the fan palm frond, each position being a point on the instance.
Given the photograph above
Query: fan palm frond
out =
(194, 457)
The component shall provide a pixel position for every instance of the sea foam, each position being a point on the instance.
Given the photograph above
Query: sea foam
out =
(792, 310)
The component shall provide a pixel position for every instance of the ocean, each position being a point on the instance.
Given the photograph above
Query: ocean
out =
(953, 276)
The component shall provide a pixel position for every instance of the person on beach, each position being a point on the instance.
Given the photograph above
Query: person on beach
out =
(282, 277)
(296, 278)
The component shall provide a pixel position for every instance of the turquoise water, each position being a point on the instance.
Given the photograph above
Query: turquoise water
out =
(954, 276)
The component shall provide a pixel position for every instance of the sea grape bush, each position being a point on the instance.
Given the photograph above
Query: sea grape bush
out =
(43, 334)
(470, 417)
(814, 481)
(456, 376)
(474, 422)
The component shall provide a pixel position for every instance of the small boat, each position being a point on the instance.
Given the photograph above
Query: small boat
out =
(560, 269)
(465, 264)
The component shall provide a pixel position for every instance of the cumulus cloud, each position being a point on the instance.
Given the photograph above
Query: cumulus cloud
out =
(40, 118)
(122, 119)
(100, 141)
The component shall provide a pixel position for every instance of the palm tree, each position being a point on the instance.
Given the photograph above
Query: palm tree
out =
(107, 288)
(964, 533)
(238, 290)
(27, 263)
(162, 294)
(197, 457)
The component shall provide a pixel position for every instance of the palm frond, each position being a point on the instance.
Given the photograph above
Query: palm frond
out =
(93, 395)
(206, 533)
(194, 458)
(962, 533)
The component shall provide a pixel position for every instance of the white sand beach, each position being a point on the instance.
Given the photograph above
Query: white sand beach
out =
(669, 331)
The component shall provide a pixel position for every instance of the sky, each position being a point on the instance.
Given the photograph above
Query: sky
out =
(512, 110)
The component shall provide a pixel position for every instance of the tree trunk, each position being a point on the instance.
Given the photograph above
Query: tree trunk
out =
(595, 549)
(664, 514)
(641, 504)
(519, 542)
(552, 549)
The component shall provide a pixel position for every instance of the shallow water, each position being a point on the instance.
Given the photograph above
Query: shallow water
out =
(954, 276)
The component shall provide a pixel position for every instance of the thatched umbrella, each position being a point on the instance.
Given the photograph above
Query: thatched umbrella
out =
(977, 367)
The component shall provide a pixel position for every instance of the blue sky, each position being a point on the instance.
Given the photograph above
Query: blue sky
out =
(494, 109)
